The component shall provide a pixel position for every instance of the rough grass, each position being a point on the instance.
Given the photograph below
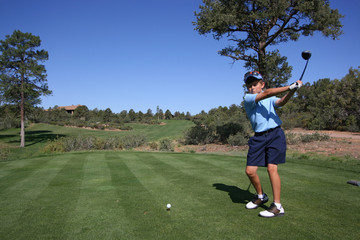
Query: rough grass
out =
(123, 195)
(38, 135)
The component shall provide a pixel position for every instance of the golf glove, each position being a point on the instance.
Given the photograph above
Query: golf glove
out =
(295, 86)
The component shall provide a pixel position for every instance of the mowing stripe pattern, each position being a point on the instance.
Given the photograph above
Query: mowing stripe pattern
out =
(123, 195)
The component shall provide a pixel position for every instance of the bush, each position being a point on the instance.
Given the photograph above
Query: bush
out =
(126, 128)
(99, 126)
(226, 130)
(7, 122)
(166, 145)
(70, 144)
(99, 143)
(238, 139)
(56, 145)
(292, 138)
(198, 135)
(133, 141)
(108, 143)
(314, 137)
(153, 146)
(86, 143)
(79, 143)
(4, 153)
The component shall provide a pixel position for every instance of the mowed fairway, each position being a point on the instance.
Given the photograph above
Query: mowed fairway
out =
(123, 195)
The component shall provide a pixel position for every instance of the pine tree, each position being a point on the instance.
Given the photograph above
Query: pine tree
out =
(22, 78)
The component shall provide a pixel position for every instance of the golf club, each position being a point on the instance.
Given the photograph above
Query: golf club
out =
(306, 55)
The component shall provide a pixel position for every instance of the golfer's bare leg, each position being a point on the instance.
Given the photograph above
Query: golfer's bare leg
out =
(275, 181)
(251, 172)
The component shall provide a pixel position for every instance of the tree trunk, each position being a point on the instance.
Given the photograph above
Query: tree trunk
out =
(261, 62)
(22, 115)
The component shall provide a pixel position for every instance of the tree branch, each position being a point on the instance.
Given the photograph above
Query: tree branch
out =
(281, 28)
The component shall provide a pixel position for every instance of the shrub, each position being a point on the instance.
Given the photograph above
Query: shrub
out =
(9, 122)
(198, 135)
(79, 143)
(56, 145)
(166, 145)
(70, 144)
(292, 138)
(127, 128)
(314, 137)
(238, 139)
(132, 141)
(85, 143)
(153, 145)
(112, 143)
(99, 143)
(192, 151)
(226, 130)
(4, 153)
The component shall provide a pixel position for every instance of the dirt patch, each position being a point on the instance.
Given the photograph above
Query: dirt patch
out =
(333, 134)
(211, 148)
(339, 144)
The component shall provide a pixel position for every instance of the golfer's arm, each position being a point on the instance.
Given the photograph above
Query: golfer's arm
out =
(271, 92)
(282, 101)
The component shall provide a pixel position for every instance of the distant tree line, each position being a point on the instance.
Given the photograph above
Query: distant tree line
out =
(83, 117)
(323, 105)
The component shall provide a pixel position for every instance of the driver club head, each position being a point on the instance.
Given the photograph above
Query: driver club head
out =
(306, 55)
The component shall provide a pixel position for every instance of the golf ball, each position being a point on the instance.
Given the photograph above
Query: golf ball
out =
(168, 205)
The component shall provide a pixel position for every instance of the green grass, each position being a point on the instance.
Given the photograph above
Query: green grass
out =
(123, 195)
(171, 129)
(37, 135)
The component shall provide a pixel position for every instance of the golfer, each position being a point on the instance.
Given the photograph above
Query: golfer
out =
(267, 148)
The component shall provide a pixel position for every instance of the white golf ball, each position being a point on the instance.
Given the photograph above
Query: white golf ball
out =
(168, 205)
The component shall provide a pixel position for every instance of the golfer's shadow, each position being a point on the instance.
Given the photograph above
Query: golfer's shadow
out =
(236, 194)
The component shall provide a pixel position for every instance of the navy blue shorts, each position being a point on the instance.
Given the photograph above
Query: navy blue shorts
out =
(267, 148)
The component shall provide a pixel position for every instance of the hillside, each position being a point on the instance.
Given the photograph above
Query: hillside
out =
(340, 143)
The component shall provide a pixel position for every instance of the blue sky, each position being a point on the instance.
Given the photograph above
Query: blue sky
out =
(140, 54)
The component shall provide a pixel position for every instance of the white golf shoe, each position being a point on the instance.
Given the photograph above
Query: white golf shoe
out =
(256, 201)
(272, 211)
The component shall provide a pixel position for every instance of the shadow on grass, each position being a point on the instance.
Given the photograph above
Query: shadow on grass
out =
(34, 137)
(236, 194)
(7, 136)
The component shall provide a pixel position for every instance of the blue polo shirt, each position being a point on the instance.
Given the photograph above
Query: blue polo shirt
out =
(262, 114)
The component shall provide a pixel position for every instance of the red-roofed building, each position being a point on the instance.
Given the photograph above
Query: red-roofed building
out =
(70, 109)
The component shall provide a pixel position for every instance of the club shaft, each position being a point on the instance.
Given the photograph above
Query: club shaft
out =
(304, 69)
